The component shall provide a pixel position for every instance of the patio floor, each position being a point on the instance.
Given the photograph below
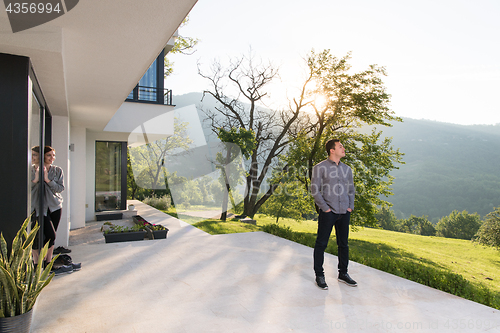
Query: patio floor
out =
(250, 282)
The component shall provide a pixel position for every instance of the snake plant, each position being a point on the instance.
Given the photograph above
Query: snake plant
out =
(20, 282)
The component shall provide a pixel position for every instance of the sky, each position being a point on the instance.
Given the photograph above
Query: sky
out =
(442, 56)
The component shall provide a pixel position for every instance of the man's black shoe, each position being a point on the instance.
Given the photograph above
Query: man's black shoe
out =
(344, 277)
(320, 281)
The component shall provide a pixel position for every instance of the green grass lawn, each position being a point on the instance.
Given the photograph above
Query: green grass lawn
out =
(457, 266)
(476, 263)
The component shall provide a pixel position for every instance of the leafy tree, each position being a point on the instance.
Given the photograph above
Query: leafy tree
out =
(148, 161)
(417, 225)
(489, 232)
(236, 141)
(132, 188)
(458, 225)
(409, 226)
(182, 45)
(426, 227)
(351, 100)
(289, 200)
(387, 219)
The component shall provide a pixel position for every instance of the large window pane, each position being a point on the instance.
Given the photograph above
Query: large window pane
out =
(34, 140)
(108, 176)
(147, 85)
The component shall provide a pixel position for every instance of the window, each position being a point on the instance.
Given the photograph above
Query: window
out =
(110, 175)
(151, 88)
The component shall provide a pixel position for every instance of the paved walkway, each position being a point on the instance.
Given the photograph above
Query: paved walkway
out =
(251, 282)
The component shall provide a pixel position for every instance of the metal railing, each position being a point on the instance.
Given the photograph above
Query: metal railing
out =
(150, 95)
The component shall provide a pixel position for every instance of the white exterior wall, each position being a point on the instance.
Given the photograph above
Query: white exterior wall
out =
(78, 159)
(60, 142)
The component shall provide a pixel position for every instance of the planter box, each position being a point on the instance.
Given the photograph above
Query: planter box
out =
(157, 234)
(124, 236)
(151, 234)
(138, 219)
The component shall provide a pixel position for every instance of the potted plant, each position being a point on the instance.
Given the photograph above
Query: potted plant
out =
(155, 231)
(117, 233)
(20, 282)
(138, 219)
(131, 207)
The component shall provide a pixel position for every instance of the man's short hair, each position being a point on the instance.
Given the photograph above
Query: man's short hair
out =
(330, 145)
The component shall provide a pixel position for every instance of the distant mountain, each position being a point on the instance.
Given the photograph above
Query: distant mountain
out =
(448, 167)
(195, 98)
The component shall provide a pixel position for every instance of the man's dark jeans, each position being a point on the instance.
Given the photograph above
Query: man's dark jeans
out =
(326, 221)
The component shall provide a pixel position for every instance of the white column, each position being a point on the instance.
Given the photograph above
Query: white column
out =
(78, 159)
(60, 142)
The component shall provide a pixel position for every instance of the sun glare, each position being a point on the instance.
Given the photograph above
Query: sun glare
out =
(320, 101)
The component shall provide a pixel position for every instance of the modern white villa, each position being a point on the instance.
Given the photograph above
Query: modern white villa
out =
(74, 83)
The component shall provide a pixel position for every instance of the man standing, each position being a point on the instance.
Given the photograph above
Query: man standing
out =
(332, 188)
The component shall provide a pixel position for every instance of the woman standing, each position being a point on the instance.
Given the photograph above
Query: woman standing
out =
(53, 185)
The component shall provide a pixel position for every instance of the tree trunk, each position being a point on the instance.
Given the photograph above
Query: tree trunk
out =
(225, 199)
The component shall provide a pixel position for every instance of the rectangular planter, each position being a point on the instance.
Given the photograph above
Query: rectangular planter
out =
(160, 234)
(138, 219)
(157, 234)
(124, 236)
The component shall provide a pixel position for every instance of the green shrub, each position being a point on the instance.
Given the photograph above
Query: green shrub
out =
(489, 232)
(460, 225)
(160, 203)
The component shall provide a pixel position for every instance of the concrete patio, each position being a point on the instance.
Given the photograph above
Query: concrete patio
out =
(251, 282)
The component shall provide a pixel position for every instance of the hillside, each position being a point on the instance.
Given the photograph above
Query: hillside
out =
(448, 167)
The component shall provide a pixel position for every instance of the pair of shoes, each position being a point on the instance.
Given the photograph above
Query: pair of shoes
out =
(61, 249)
(321, 282)
(344, 277)
(65, 260)
(64, 269)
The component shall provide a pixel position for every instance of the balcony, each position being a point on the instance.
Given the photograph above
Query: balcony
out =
(152, 95)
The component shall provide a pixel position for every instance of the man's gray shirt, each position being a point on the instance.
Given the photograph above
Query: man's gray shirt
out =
(332, 186)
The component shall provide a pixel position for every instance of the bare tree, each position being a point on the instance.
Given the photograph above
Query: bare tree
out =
(248, 80)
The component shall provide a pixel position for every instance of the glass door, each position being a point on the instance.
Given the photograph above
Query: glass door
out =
(110, 175)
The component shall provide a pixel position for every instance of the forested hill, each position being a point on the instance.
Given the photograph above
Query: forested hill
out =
(448, 167)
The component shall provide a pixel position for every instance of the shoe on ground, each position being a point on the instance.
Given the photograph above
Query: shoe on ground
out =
(320, 281)
(64, 269)
(63, 259)
(76, 267)
(61, 249)
(344, 277)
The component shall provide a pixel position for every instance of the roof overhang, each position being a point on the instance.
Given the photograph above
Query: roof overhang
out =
(88, 60)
